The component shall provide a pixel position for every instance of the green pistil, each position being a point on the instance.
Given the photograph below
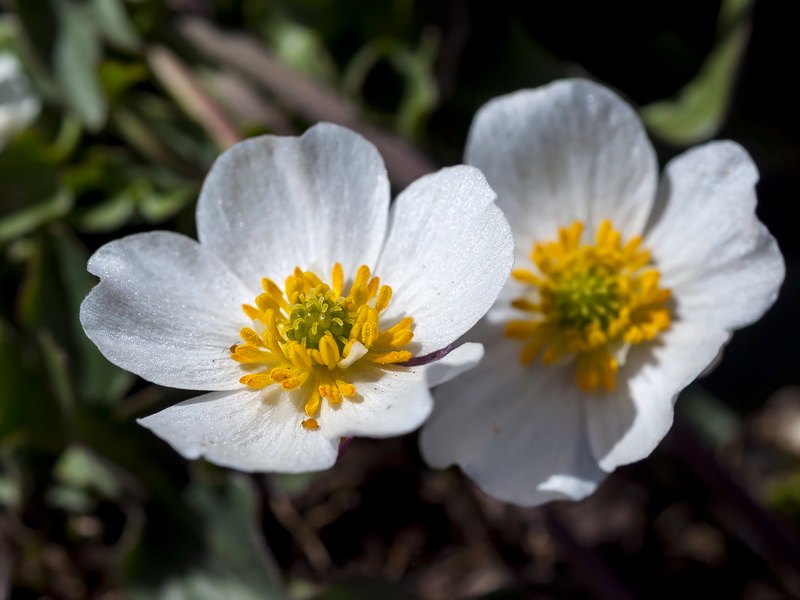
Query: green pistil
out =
(317, 315)
(586, 298)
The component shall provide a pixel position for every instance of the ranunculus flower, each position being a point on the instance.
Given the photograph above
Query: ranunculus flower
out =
(302, 300)
(624, 291)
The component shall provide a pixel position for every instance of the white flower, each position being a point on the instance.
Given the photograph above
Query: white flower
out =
(276, 310)
(625, 290)
(18, 105)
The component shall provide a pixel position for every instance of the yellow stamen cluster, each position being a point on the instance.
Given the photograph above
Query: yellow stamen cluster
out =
(309, 334)
(589, 301)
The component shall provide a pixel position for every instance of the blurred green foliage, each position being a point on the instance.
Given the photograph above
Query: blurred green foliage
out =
(699, 109)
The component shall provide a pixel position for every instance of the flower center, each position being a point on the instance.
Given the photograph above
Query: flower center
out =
(307, 335)
(589, 297)
(590, 302)
(317, 315)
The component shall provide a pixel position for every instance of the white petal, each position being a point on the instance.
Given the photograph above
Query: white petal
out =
(627, 424)
(448, 254)
(458, 361)
(502, 311)
(249, 430)
(272, 203)
(571, 150)
(518, 431)
(722, 265)
(357, 351)
(389, 400)
(167, 310)
(393, 400)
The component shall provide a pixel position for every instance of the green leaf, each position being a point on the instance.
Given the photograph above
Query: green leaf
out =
(699, 109)
(39, 25)
(421, 92)
(32, 191)
(76, 57)
(218, 556)
(137, 134)
(69, 499)
(415, 66)
(10, 491)
(28, 412)
(12, 383)
(54, 287)
(69, 134)
(118, 77)
(300, 47)
(156, 206)
(27, 220)
(109, 215)
(78, 468)
(57, 371)
(113, 22)
(152, 465)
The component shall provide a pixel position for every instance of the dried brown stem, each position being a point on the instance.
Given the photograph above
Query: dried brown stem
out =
(182, 85)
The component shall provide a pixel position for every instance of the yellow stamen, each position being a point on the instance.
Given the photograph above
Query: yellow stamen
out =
(249, 354)
(346, 389)
(329, 351)
(294, 382)
(256, 380)
(266, 302)
(384, 296)
(299, 356)
(328, 389)
(337, 278)
(253, 313)
(387, 358)
(525, 276)
(372, 288)
(312, 404)
(362, 276)
(525, 304)
(359, 294)
(252, 338)
(307, 332)
(369, 333)
(587, 302)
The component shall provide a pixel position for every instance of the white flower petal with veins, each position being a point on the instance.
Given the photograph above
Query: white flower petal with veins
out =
(595, 164)
(454, 248)
(249, 430)
(722, 264)
(515, 450)
(166, 309)
(626, 425)
(396, 400)
(271, 203)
